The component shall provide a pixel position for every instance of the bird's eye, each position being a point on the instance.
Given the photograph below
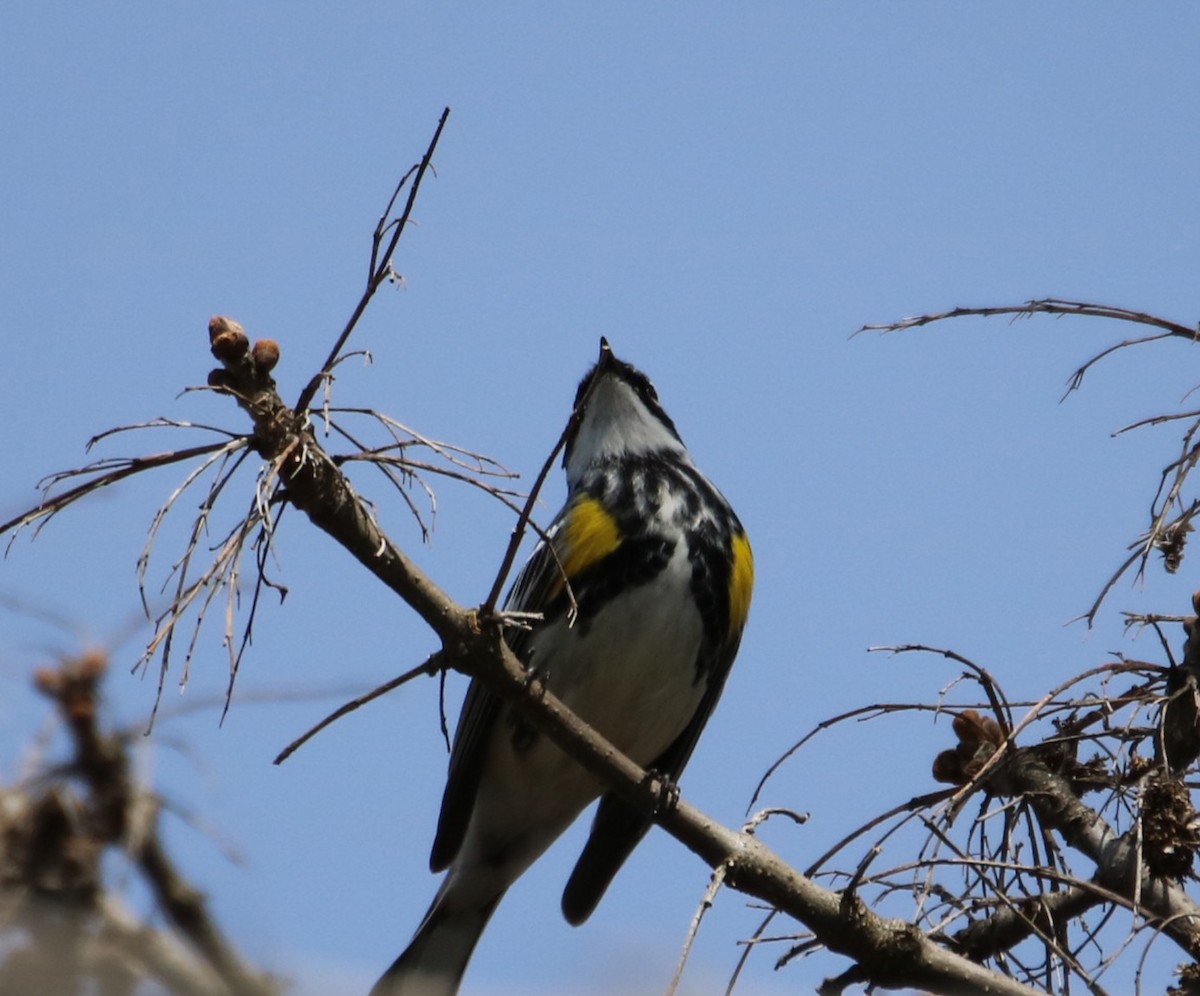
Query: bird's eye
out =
(641, 383)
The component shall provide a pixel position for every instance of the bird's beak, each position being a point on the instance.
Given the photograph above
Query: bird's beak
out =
(606, 353)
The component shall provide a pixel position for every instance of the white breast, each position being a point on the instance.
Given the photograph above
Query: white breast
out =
(631, 674)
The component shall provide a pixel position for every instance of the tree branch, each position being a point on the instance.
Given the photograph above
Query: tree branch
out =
(1119, 869)
(52, 881)
(381, 258)
(889, 952)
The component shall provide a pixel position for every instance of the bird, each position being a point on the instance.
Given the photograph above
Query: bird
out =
(642, 583)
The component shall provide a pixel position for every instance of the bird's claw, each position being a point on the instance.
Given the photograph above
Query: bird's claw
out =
(666, 790)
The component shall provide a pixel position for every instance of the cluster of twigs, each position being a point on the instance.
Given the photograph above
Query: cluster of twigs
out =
(210, 571)
(1000, 885)
(1173, 506)
(66, 927)
(1003, 886)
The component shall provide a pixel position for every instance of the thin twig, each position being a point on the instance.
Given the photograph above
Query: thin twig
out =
(109, 471)
(431, 665)
(381, 260)
(716, 880)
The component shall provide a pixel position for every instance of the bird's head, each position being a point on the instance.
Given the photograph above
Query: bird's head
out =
(617, 415)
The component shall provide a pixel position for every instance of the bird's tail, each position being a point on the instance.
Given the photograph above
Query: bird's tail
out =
(436, 958)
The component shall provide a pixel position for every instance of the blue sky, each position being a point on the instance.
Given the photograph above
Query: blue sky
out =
(726, 194)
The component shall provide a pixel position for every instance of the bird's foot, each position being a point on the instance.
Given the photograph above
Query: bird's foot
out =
(666, 790)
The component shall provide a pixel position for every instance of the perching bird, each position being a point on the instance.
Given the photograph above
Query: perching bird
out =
(661, 573)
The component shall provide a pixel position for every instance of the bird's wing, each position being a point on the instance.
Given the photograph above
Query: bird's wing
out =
(479, 712)
(538, 588)
(618, 827)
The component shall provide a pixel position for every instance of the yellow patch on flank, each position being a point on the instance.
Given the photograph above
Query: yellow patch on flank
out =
(590, 535)
(741, 583)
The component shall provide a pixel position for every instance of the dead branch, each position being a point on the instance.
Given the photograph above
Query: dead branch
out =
(1018, 893)
(101, 474)
(1167, 532)
(431, 665)
(52, 881)
(1012, 924)
(1053, 306)
(471, 642)
(380, 269)
(1119, 868)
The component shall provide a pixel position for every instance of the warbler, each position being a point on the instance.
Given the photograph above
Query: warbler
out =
(643, 586)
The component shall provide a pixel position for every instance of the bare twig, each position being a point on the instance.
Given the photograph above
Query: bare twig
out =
(710, 894)
(106, 472)
(431, 665)
(518, 533)
(1165, 534)
(1054, 306)
(380, 270)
